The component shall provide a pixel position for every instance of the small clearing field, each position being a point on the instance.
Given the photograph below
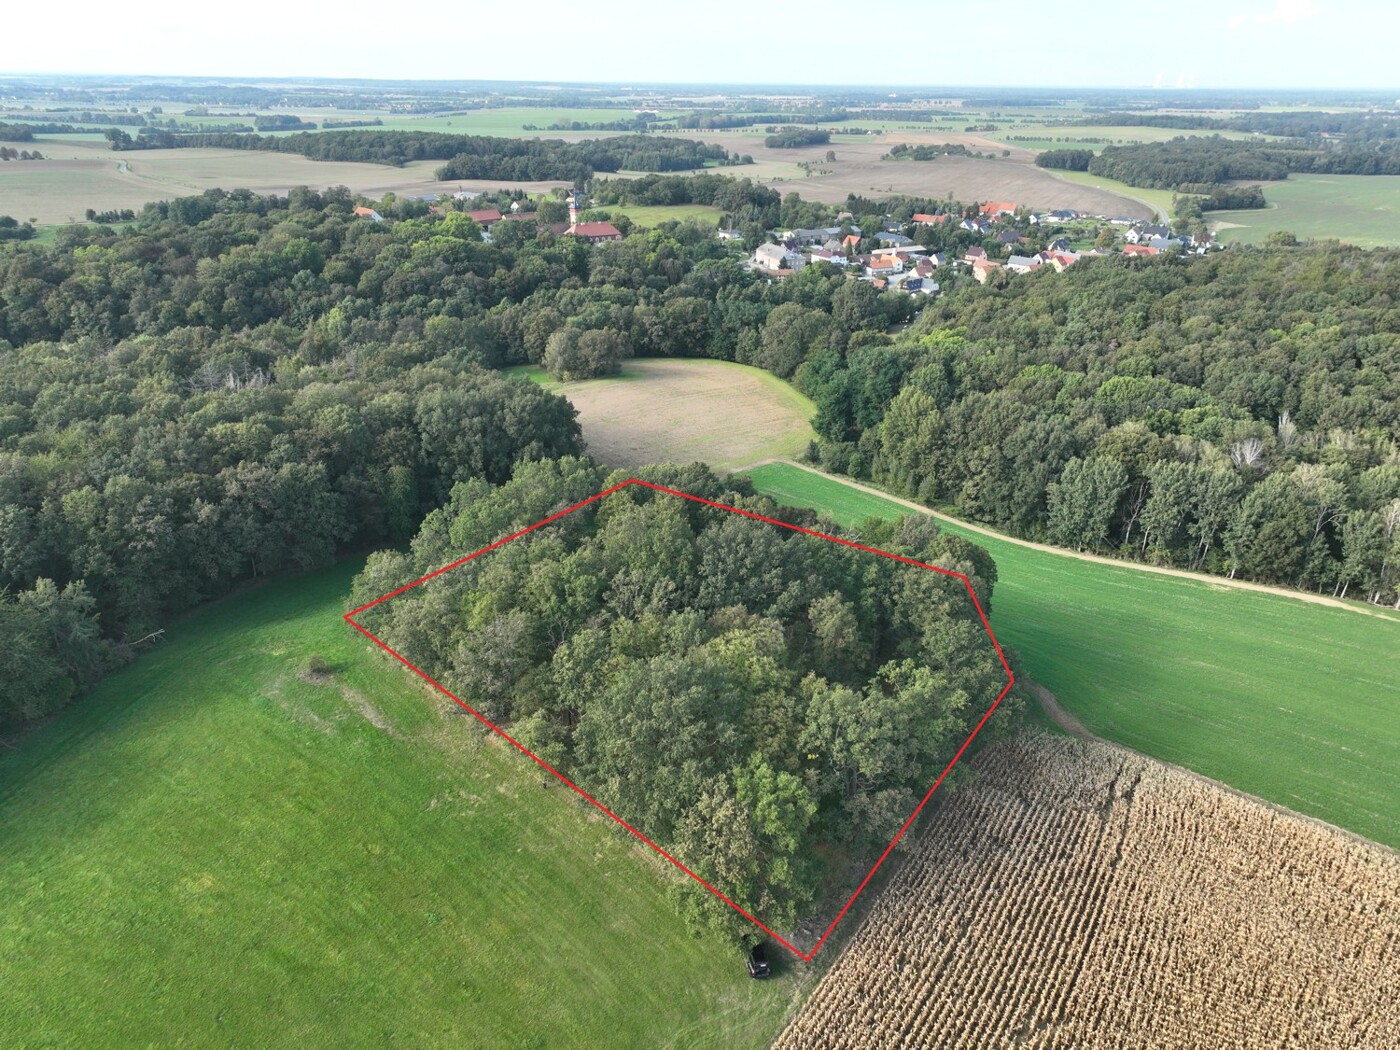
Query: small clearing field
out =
(1077, 895)
(651, 215)
(1292, 702)
(662, 410)
(1360, 209)
(217, 848)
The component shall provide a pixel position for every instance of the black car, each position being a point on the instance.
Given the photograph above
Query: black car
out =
(757, 961)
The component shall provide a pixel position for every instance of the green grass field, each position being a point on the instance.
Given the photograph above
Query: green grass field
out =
(655, 214)
(1360, 209)
(210, 851)
(1293, 702)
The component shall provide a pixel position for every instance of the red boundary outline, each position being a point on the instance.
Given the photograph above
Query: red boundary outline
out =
(1010, 681)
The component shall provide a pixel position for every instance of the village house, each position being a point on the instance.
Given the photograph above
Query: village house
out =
(776, 260)
(1023, 263)
(1140, 249)
(925, 219)
(996, 209)
(594, 232)
(983, 269)
(361, 212)
(893, 239)
(974, 254)
(1142, 233)
(485, 218)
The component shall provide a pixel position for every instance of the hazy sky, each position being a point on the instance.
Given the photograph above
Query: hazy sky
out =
(1202, 43)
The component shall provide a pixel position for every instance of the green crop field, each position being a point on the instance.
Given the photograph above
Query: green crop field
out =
(1293, 702)
(211, 850)
(1360, 209)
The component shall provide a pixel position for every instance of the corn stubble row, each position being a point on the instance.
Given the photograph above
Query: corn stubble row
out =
(1078, 895)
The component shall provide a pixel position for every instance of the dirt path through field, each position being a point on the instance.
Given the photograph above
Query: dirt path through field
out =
(1198, 577)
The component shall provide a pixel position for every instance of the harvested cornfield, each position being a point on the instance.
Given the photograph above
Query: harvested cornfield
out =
(1079, 895)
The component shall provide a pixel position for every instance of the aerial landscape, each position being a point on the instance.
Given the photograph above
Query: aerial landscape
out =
(724, 546)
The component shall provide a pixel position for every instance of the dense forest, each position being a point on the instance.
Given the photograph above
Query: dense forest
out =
(467, 156)
(269, 380)
(796, 138)
(1212, 159)
(1065, 159)
(751, 698)
(1238, 413)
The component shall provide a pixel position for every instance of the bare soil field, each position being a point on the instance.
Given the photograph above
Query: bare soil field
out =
(1076, 894)
(859, 169)
(662, 410)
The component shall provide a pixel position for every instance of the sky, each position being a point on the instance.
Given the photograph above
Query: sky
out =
(1051, 43)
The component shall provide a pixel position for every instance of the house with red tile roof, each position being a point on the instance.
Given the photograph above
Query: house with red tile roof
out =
(594, 232)
(361, 212)
(486, 218)
(925, 219)
(993, 209)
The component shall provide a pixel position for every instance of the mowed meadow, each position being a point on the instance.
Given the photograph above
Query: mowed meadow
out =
(216, 841)
(663, 410)
(1359, 209)
(1290, 701)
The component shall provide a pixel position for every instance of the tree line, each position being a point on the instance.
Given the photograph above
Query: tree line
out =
(1212, 159)
(795, 138)
(467, 156)
(748, 697)
(1235, 413)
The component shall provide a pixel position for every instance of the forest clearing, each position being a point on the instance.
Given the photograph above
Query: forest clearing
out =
(1077, 895)
(670, 410)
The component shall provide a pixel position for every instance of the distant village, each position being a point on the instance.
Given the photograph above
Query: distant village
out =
(894, 259)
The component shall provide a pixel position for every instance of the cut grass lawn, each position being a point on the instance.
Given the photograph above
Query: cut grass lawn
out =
(651, 215)
(1360, 209)
(211, 850)
(1292, 702)
(683, 410)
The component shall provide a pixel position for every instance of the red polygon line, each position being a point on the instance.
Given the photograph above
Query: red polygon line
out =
(807, 956)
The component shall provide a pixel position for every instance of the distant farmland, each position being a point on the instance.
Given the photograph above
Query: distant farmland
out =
(1075, 895)
(1289, 701)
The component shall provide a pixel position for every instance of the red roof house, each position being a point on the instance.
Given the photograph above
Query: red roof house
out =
(994, 208)
(594, 232)
(487, 217)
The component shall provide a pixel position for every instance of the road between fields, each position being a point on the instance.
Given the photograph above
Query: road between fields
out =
(1198, 577)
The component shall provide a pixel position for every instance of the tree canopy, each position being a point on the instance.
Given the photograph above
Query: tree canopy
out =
(739, 692)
